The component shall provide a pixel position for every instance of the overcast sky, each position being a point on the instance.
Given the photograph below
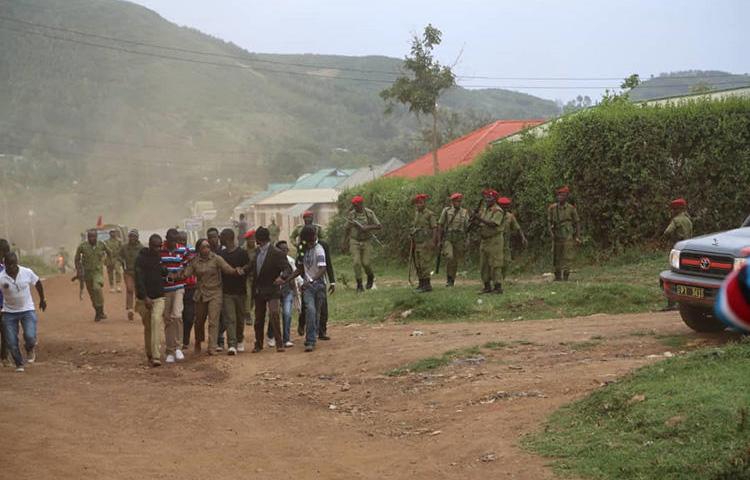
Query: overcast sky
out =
(498, 38)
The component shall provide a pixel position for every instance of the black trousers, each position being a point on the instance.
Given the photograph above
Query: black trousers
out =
(188, 314)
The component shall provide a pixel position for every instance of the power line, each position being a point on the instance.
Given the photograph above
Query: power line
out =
(319, 66)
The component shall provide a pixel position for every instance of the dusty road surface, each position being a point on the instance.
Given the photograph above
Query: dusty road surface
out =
(90, 408)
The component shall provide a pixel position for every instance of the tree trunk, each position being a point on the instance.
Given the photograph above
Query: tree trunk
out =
(435, 165)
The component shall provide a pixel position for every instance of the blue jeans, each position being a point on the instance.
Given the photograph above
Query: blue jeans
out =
(10, 331)
(287, 302)
(313, 297)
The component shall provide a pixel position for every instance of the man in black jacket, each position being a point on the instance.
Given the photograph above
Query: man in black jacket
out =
(149, 292)
(269, 268)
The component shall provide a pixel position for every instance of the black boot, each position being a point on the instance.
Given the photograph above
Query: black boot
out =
(566, 275)
(420, 288)
(99, 315)
(360, 288)
(498, 288)
(450, 282)
(370, 281)
(558, 275)
(427, 286)
(487, 288)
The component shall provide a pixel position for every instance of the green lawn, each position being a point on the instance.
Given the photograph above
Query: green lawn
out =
(684, 418)
(625, 284)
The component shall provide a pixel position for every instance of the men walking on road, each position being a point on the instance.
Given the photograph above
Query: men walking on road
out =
(452, 225)
(680, 228)
(270, 270)
(234, 288)
(89, 262)
(312, 270)
(149, 291)
(424, 241)
(565, 229)
(114, 262)
(173, 259)
(18, 308)
(360, 223)
(510, 225)
(490, 222)
(129, 253)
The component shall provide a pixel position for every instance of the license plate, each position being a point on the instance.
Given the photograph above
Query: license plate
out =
(689, 291)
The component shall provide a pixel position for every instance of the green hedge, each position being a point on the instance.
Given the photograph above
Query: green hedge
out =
(623, 162)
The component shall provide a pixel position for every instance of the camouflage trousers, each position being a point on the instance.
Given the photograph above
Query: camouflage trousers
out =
(491, 259)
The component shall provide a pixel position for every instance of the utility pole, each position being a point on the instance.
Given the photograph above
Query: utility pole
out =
(4, 190)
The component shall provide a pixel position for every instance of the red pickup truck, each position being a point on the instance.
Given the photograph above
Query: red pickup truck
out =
(698, 267)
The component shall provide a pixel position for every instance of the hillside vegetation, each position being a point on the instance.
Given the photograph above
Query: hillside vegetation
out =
(106, 131)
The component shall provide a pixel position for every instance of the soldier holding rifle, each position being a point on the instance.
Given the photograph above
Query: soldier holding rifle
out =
(361, 222)
(424, 241)
(453, 223)
(565, 229)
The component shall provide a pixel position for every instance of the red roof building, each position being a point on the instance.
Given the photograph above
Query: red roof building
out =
(463, 150)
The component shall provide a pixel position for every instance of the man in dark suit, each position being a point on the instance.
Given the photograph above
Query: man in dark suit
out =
(270, 269)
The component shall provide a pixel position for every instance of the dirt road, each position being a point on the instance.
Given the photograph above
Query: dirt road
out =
(91, 409)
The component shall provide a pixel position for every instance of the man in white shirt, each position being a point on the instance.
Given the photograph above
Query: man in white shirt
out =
(18, 308)
(313, 287)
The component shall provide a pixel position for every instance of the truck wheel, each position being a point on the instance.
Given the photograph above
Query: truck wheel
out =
(700, 319)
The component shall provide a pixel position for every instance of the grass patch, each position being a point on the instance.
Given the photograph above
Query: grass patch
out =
(495, 345)
(432, 363)
(683, 418)
(676, 342)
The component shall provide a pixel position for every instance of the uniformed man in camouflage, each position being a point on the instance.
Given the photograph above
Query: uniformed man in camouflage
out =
(510, 226)
(274, 230)
(89, 261)
(424, 241)
(490, 220)
(114, 261)
(129, 253)
(307, 219)
(360, 223)
(452, 225)
(679, 228)
(565, 229)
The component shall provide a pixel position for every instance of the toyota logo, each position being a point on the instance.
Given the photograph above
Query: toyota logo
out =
(705, 263)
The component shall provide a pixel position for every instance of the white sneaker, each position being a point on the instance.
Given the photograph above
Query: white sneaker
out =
(271, 342)
(232, 351)
(19, 369)
(241, 347)
(219, 349)
(170, 358)
(179, 355)
(289, 344)
(31, 356)
(5, 362)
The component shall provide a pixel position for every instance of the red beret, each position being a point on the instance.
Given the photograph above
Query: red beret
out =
(488, 192)
(420, 196)
(357, 199)
(678, 202)
(563, 189)
(308, 213)
(504, 201)
(457, 196)
(249, 234)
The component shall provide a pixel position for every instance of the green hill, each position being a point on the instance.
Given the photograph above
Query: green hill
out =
(686, 82)
(103, 130)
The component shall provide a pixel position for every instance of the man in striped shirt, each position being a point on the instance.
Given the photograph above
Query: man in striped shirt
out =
(173, 256)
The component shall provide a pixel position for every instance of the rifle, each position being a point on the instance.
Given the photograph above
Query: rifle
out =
(412, 247)
(362, 228)
(443, 231)
(474, 216)
(81, 282)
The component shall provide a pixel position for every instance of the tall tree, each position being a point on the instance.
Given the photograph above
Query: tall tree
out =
(423, 81)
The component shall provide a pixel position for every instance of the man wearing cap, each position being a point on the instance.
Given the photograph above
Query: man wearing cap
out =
(424, 239)
(307, 219)
(565, 229)
(360, 223)
(490, 221)
(129, 253)
(89, 262)
(510, 225)
(452, 225)
(679, 228)
(114, 262)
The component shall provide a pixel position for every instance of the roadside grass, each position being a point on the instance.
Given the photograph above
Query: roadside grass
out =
(684, 418)
(609, 288)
